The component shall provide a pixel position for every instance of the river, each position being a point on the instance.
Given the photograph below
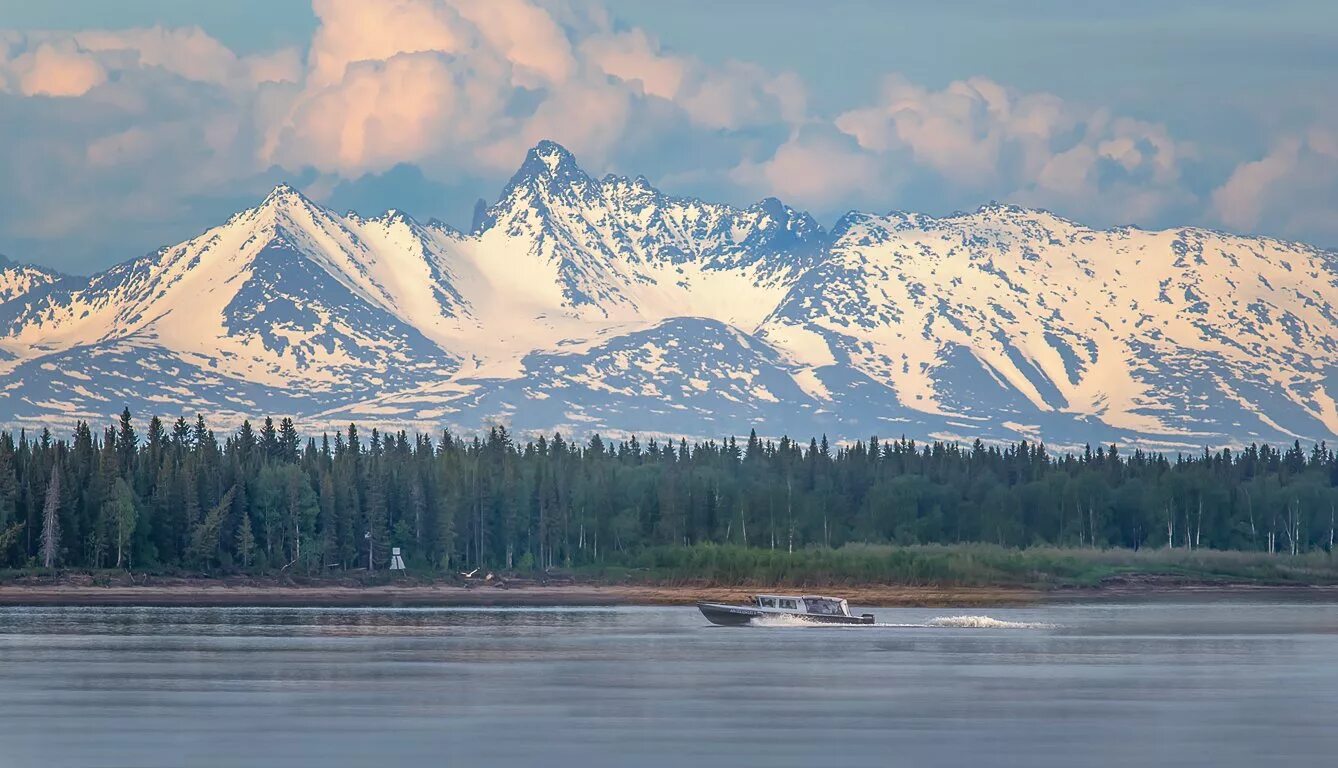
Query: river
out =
(1228, 682)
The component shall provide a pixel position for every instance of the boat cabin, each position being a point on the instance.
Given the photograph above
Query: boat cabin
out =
(811, 604)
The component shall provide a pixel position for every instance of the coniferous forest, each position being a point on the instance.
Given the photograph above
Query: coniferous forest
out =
(180, 497)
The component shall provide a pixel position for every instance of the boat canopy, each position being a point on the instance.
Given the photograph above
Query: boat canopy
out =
(825, 606)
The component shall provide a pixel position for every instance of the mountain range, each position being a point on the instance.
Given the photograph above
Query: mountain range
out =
(581, 304)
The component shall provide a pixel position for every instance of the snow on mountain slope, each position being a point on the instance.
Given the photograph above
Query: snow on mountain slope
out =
(283, 295)
(692, 374)
(583, 304)
(620, 249)
(18, 280)
(1186, 335)
(561, 258)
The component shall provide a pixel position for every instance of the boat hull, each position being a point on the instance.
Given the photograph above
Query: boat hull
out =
(739, 615)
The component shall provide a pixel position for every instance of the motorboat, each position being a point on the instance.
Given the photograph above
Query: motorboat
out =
(821, 610)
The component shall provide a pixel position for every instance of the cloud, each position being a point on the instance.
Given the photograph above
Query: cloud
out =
(57, 69)
(525, 35)
(142, 136)
(729, 96)
(980, 138)
(468, 85)
(356, 31)
(1293, 188)
(382, 113)
(417, 81)
(816, 168)
(634, 57)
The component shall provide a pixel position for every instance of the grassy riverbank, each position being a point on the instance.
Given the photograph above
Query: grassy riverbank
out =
(966, 565)
(971, 574)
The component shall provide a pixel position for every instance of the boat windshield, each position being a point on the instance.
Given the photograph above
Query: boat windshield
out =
(825, 606)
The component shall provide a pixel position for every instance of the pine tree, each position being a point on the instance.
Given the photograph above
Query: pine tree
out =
(288, 441)
(269, 440)
(9, 493)
(126, 443)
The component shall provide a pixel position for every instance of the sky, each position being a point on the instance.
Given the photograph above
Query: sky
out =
(131, 125)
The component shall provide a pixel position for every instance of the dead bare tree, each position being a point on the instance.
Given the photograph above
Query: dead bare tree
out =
(1170, 527)
(1294, 525)
(51, 519)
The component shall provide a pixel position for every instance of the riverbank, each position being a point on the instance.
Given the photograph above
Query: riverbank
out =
(253, 593)
(963, 575)
(159, 592)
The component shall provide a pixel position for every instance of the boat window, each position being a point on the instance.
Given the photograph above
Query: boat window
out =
(766, 602)
(788, 604)
(823, 606)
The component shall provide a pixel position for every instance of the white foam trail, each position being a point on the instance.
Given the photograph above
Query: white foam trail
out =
(781, 620)
(983, 622)
(940, 622)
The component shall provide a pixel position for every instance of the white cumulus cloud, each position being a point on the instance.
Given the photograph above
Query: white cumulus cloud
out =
(1294, 188)
(978, 139)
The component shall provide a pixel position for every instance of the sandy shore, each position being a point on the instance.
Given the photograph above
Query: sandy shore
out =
(224, 594)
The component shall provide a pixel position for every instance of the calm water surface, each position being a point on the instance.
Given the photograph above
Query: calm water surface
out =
(1225, 683)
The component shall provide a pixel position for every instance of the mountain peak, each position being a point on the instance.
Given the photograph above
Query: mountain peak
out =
(283, 192)
(284, 202)
(284, 208)
(549, 170)
(549, 161)
(552, 154)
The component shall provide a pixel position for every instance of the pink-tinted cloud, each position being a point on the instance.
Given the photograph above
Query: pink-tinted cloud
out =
(524, 34)
(351, 31)
(58, 69)
(730, 96)
(381, 113)
(189, 53)
(1294, 186)
(461, 88)
(1032, 148)
(819, 171)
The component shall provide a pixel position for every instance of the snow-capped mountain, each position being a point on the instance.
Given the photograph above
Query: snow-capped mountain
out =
(583, 304)
(18, 280)
(1024, 319)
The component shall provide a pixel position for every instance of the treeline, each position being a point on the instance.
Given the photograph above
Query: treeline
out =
(178, 497)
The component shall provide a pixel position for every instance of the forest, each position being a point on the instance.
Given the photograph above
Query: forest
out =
(179, 498)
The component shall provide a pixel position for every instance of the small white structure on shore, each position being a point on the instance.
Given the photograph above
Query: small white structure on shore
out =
(396, 562)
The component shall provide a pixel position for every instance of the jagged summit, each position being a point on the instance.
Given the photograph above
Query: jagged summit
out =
(548, 163)
(282, 191)
(19, 280)
(286, 198)
(552, 154)
(583, 304)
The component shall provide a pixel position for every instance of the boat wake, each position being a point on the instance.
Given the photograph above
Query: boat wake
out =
(940, 622)
(782, 620)
(984, 622)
